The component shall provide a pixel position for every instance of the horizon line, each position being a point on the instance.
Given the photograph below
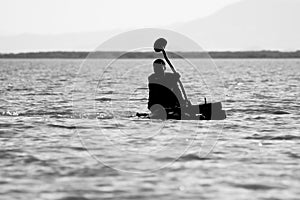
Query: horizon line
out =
(120, 51)
(149, 54)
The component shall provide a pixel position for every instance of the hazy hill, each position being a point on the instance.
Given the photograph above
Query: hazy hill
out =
(61, 42)
(249, 25)
(245, 25)
(150, 55)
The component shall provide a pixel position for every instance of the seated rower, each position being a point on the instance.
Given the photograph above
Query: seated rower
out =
(165, 96)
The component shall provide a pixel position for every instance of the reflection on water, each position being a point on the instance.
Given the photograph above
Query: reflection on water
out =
(62, 134)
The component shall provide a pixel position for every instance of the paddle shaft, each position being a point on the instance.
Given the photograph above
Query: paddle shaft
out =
(174, 71)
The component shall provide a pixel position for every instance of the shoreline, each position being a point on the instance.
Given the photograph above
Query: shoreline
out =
(151, 55)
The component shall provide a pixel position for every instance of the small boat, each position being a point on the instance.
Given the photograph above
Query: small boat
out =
(207, 111)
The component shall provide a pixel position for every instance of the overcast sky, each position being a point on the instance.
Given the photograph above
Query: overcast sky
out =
(67, 16)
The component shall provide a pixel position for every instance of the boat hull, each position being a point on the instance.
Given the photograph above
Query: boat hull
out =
(210, 111)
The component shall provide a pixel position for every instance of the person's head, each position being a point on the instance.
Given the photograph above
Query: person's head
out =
(159, 66)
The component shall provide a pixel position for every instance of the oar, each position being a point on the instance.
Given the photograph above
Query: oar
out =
(159, 46)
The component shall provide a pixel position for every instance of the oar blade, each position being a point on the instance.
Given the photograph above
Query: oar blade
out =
(160, 44)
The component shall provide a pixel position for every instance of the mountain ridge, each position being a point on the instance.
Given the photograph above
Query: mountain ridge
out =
(241, 26)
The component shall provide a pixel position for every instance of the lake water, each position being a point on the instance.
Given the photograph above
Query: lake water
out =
(68, 131)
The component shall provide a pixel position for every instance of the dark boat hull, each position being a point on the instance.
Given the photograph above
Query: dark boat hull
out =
(210, 111)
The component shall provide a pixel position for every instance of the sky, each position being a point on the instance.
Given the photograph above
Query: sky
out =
(76, 16)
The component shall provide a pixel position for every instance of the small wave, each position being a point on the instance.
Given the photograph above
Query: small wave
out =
(257, 117)
(103, 99)
(3, 182)
(293, 155)
(189, 157)
(106, 92)
(280, 112)
(230, 101)
(74, 198)
(78, 148)
(43, 94)
(31, 159)
(261, 96)
(139, 99)
(66, 126)
(19, 89)
(256, 186)
(286, 137)
(14, 155)
(5, 133)
(15, 125)
(261, 111)
(62, 126)
(183, 158)
(9, 113)
(105, 117)
(267, 130)
(63, 114)
(100, 116)
(267, 137)
(52, 114)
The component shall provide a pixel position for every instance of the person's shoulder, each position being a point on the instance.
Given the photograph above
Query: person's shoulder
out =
(169, 74)
(172, 76)
(151, 77)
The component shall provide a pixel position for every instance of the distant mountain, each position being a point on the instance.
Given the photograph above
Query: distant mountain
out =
(245, 25)
(248, 25)
(149, 54)
(61, 42)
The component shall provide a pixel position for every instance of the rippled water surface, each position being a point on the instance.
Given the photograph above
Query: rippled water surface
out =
(68, 131)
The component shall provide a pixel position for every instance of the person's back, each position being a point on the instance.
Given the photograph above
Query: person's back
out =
(163, 88)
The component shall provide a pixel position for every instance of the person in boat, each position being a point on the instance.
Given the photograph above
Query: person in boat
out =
(166, 100)
(165, 97)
